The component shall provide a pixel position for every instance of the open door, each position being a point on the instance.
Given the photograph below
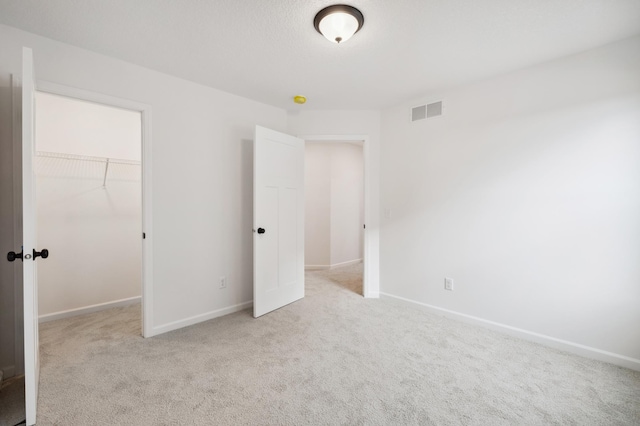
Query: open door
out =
(278, 219)
(29, 253)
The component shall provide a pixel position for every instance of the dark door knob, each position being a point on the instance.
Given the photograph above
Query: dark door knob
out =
(44, 253)
(261, 231)
(12, 255)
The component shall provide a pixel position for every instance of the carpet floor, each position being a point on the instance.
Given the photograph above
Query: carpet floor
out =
(333, 358)
(12, 402)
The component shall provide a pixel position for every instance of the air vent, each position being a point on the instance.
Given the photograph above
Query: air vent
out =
(419, 113)
(426, 111)
(434, 109)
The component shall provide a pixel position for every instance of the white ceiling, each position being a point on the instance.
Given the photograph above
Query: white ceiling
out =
(269, 51)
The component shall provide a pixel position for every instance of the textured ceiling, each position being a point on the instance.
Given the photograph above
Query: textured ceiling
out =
(269, 50)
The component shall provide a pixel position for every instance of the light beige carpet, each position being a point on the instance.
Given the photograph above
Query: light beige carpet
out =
(331, 358)
(349, 277)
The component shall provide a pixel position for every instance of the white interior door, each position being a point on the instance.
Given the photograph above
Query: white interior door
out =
(278, 219)
(31, 340)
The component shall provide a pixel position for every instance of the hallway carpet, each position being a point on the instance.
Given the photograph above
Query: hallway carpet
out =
(333, 358)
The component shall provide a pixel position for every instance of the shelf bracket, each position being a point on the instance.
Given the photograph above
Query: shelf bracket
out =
(106, 169)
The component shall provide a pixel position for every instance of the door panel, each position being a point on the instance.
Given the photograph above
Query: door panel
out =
(288, 237)
(278, 220)
(267, 259)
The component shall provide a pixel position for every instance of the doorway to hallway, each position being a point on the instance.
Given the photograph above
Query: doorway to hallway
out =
(334, 210)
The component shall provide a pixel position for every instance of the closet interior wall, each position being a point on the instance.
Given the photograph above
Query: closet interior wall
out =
(88, 183)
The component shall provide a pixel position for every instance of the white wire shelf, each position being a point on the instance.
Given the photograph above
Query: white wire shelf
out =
(63, 165)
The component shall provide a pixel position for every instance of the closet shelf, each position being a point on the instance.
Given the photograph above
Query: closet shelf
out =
(64, 156)
(82, 159)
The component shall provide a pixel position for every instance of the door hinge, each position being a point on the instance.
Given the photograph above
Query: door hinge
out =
(144, 235)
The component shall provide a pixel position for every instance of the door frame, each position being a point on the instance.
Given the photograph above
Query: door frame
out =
(147, 242)
(371, 268)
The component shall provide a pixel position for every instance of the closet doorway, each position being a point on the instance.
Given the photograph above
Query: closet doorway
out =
(88, 166)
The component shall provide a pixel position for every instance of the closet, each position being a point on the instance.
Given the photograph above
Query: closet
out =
(88, 186)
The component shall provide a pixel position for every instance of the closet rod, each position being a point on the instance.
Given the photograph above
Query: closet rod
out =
(64, 156)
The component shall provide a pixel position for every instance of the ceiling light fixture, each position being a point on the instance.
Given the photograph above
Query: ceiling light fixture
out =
(338, 22)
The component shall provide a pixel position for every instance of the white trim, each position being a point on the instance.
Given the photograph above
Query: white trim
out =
(201, 318)
(89, 309)
(147, 225)
(317, 267)
(371, 276)
(575, 348)
(147, 190)
(334, 266)
(29, 271)
(347, 263)
(87, 95)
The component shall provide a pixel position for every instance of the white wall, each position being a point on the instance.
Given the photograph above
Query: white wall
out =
(334, 204)
(78, 127)
(527, 193)
(202, 173)
(347, 210)
(93, 233)
(340, 123)
(317, 205)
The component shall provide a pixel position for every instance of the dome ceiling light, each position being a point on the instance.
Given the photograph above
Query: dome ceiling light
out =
(338, 22)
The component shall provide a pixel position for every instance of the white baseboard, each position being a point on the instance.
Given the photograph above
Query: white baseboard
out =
(317, 267)
(200, 318)
(347, 263)
(7, 373)
(89, 309)
(333, 266)
(575, 348)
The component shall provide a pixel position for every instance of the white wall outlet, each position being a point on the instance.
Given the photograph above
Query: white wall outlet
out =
(448, 284)
(223, 282)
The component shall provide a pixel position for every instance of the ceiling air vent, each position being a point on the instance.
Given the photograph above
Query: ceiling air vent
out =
(426, 111)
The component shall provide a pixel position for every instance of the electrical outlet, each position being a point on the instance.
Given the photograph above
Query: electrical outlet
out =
(448, 284)
(223, 282)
